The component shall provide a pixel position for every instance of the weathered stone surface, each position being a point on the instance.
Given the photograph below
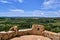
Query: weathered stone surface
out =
(14, 28)
(4, 35)
(10, 34)
(0, 36)
(51, 35)
(25, 32)
(37, 29)
(58, 35)
(30, 37)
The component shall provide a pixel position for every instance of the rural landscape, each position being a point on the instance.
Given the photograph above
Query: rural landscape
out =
(51, 24)
(29, 19)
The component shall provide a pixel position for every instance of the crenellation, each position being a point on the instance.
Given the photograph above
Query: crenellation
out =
(35, 30)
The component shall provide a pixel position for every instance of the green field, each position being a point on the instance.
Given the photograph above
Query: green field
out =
(51, 24)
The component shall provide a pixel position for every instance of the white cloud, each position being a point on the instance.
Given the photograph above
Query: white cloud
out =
(51, 4)
(6, 1)
(21, 1)
(40, 13)
(3, 1)
(59, 11)
(17, 10)
(37, 13)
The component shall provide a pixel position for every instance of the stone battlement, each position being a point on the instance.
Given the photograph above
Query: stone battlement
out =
(35, 30)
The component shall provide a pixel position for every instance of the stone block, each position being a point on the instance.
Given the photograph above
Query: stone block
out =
(51, 35)
(10, 34)
(4, 35)
(37, 29)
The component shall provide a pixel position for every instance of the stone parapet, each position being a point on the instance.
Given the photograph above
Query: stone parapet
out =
(25, 32)
(35, 30)
(51, 35)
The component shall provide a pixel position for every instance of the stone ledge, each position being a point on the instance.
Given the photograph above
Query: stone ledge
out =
(35, 30)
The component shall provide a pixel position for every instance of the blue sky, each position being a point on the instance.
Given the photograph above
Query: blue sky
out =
(30, 8)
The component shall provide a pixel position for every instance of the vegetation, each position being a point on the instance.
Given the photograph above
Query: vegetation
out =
(51, 24)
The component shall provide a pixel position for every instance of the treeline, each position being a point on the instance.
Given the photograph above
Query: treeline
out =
(51, 24)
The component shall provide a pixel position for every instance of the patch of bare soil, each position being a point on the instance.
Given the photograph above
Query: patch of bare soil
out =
(30, 37)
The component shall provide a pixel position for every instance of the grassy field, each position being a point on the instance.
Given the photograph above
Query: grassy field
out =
(51, 24)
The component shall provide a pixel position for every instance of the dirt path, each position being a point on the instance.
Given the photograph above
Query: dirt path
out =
(31, 37)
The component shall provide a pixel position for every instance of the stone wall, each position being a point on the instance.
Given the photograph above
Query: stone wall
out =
(25, 32)
(51, 35)
(6, 35)
(10, 34)
(35, 30)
